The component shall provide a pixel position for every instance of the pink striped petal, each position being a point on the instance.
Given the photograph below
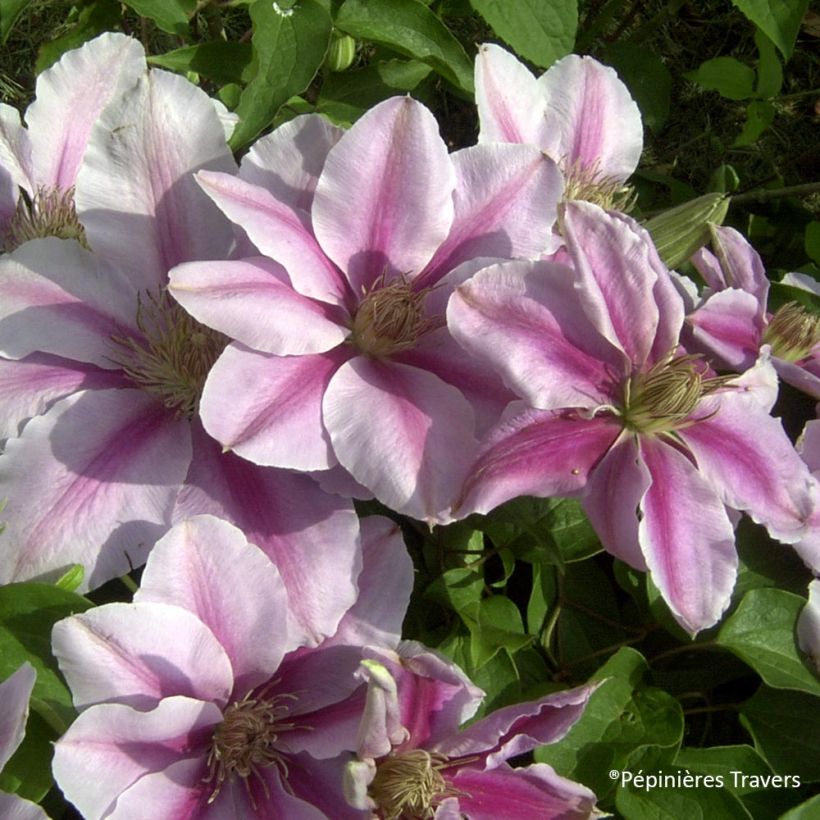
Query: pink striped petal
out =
(15, 692)
(59, 298)
(288, 161)
(207, 566)
(505, 206)
(708, 266)
(15, 150)
(136, 195)
(110, 747)
(612, 496)
(13, 807)
(137, 654)
(591, 118)
(741, 265)
(384, 200)
(311, 537)
(402, 433)
(729, 327)
(279, 232)
(538, 453)
(92, 482)
(526, 320)
(252, 301)
(800, 376)
(687, 538)
(268, 408)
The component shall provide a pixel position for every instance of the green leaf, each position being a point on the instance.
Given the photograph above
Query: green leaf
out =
(10, 11)
(410, 28)
(71, 578)
(785, 727)
(458, 589)
(779, 19)
(28, 771)
(812, 241)
(810, 810)
(759, 116)
(27, 614)
(169, 15)
(541, 31)
(721, 761)
(542, 597)
(726, 75)
(288, 50)
(769, 70)
(647, 78)
(670, 803)
(497, 626)
(780, 294)
(220, 62)
(761, 633)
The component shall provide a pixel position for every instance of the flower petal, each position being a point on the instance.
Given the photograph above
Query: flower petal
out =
(741, 265)
(402, 433)
(136, 195)
(15, 692)
(13, 807)
(267, 408)
(687, 538)
(384, 199)
(252, 301)
(15, 150)
(92, 482)
(808, 625)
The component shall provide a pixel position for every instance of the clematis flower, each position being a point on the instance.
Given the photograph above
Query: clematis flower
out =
(15, 692)
(656, 445)
(733, 322)
(43, 160)
(414, 761)
(340, 351)
(112, 369)
(198, 702)
(578, 112)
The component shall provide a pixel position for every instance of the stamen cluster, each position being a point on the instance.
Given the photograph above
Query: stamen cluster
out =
(792, 332)
(409, 785)
(50, 212)
(586, 182)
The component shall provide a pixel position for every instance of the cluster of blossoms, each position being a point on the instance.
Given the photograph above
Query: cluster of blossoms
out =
(203, 363)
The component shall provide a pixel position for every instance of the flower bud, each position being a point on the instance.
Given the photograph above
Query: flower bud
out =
(341, 52)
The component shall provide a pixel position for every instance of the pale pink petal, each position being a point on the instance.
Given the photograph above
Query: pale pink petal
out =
(742, 266)
(686, 537)
(288, 161)
(537, 452)
(92, 482)
(338, 481)
(13, 807)
(616, 278)
(71, 95)
(15, 692)
(15, 150)
(402, 432)
(136, 195)
(526, 320)
(252, 301)
(311, 537)
(808, 625)
(799, 376)
(612, 496)
(534, 792)
(109, 747)
(729, 327)
(279, 232)
(268, 408)
(511, 106)
(591, 119)
(9, 194)
(384, 200)
(59, 298)
(708, 266)
(200, 565)
(30, 386)
(319, 784)
(137, 654)
(808, 445)
(505, 206)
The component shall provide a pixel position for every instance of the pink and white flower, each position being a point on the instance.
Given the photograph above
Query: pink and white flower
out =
(655, 444)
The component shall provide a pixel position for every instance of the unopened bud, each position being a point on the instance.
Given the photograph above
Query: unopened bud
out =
(341, 52)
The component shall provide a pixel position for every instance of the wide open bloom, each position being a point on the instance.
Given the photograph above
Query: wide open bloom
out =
(733, 322)
(199, 700)
(415, 761)
(578, 112)
(656, 445)
(42, 161)
(341, 354)
(15, 692)
(96, 479)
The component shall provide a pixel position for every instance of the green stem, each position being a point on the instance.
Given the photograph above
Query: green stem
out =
(129, 583)
(767, 194)
(669, 653)
(705, 710)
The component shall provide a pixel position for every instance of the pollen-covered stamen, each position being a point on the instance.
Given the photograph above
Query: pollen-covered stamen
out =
(585, 181)
(391, 318)
(409, 785)
(50, 212)
(792, 332)
(665, 396)
(172, 357)
(245, 742)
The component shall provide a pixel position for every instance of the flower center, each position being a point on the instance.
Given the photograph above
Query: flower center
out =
(173, 356)
(245, 741)
(50, 213)
(588, 183)
(390, 318)
(792, 332)
(409, 785)
(663, 398)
